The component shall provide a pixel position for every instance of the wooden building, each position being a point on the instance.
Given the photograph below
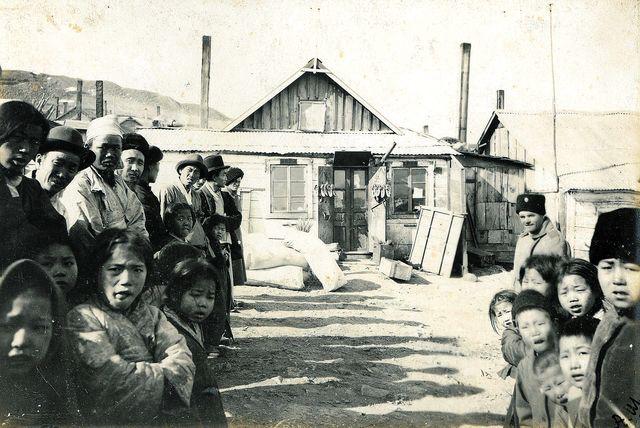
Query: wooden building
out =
(313, 148)
(596, 166)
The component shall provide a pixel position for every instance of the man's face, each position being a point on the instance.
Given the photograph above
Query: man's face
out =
(107, 149)
(536, 329)
(620, 282)
(531, 222)
(189, 175)
(19, 148)
(56, 169)
(132, 165)
(574, 353)
(554, 385)
(220, 177)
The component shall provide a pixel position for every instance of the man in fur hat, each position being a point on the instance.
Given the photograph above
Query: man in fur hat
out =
(98, 199)
(539, 236)
(135, 150)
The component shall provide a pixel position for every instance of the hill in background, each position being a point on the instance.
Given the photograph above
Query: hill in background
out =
(44, 88)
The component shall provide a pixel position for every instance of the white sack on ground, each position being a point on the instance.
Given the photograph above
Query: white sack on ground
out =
(289, 277)
(261, 252)
(322, 262)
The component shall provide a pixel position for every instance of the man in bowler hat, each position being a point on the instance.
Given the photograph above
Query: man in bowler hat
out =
(539, 235)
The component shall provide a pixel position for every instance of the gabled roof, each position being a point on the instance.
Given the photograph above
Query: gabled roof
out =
(313, 66)
(293, 143)
(595, 150)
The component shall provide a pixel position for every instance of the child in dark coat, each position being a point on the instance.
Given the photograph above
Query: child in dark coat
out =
(33, 385)
(611, 390)
(535, 320)
(190, 300)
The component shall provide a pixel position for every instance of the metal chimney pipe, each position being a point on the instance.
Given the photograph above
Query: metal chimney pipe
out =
(464, 92)
(99, 98)
(500, 100)
(204, 81)
(79, 100)
(57, 107)
(157, 110)
(425, 129)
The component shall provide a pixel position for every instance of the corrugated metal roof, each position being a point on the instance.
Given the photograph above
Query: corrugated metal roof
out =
(287, 143)
(594, 150)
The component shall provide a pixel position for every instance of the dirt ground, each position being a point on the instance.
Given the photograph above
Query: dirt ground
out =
(374, 353)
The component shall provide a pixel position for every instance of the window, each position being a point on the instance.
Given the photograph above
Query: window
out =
(288, 189)
(312, 114)
(409, 189)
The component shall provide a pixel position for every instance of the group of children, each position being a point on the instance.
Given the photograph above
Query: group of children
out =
(570, 336)
(118, 333)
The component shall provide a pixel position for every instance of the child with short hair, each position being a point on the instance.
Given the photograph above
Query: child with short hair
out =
(611, 390)
(539, 272)
(191, 295)
(33, 387)
(132, 365)
(534, 318)
(577, 292)
(556, 387)
(179, 219)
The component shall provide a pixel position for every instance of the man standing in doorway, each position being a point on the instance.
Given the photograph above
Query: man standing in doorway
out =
(539, 236)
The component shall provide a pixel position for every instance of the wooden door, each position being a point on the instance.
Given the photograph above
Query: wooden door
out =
(350, 227)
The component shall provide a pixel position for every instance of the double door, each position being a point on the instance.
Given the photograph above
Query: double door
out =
(350, 227)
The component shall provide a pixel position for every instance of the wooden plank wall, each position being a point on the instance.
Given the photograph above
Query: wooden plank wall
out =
(344, 113)
(502, 144)
(491, 196)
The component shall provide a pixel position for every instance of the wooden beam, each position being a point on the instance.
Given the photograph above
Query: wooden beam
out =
(79, 100)
(99, 98)
(204, 81)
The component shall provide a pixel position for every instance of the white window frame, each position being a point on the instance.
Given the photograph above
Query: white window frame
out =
(308, 191)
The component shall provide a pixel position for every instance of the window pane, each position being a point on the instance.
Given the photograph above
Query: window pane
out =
(297, 189)
(297, 173)
(312, 115)
(400, 204)
(279, 173)
(297, 204)
(417, 194)
(359, 198)
(401, 176)
(339, 199)
(339, 178)
(278, 204)
(279, 189)
(358, 179)
(418, 175)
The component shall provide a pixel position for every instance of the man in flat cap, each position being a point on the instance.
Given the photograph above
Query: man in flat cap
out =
(189, 169)
(97, 199)
(135, 150)
(158, 234)
(60, 158)
(539, 235)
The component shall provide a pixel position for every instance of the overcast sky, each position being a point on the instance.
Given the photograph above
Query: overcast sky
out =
(403, 57)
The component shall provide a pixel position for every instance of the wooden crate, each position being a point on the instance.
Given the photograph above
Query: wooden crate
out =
(395, 269)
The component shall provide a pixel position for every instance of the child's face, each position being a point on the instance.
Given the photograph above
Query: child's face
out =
(60, 263)
(182, 223)
(122, 277)
(536, 329)
(532, 280)
(220, 231)
(574, 353)
(620, 282)
(575, 295)
(20, 148)
(25, 332)
(502, 311)
(197, 303)
(554, 385)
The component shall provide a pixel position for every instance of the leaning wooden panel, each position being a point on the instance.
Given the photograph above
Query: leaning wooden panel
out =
(452, 245)
(437, 242)
(422, 234)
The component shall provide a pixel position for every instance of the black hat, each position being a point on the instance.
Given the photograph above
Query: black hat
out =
(531, 299)
(233, 174)
(532, 202)
(616, 236)
(214, 163)
(65, 138)
(194, 160)
(154, 156)
(133, 141)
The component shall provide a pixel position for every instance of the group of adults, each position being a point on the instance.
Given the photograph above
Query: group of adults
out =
(86, 187)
